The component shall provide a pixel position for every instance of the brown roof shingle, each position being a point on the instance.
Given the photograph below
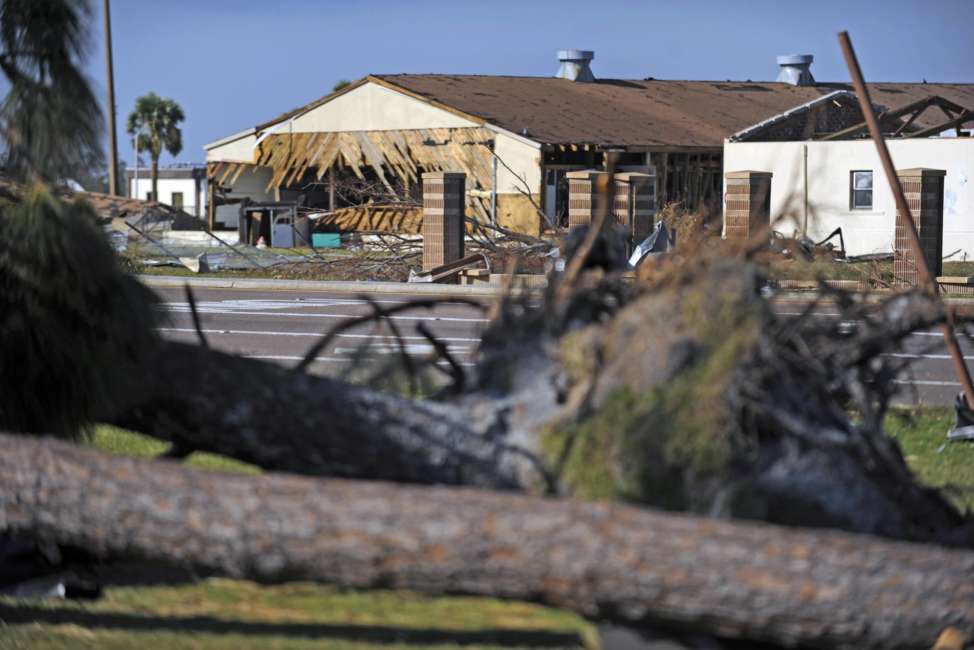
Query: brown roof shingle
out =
(641, 112)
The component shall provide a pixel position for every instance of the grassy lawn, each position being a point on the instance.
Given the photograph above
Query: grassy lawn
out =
(236, 614)
(800, 270)
(240, 615)
(128, 443)
(921, 434)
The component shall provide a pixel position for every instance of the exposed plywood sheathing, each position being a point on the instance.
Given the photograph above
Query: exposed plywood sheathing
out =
(402, 219)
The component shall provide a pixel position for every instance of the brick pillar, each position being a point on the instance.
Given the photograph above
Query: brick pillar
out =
(582, 196)
(443, 210)
(747, 212)
(635, 203)
(924, 190)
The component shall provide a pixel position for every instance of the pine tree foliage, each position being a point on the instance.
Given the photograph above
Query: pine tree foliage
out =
(73, 325)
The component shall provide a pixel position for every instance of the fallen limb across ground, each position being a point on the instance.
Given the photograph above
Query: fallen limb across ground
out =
(607, 561)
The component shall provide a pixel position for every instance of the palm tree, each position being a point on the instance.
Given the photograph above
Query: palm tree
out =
(50, 121)
(154, 125)
(71, 320)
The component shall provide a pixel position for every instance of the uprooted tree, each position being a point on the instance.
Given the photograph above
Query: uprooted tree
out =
(683, 389)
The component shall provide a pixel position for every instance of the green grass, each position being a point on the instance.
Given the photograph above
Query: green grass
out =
(922, 434)
(236, 614)
(800, 270)
(128, 443)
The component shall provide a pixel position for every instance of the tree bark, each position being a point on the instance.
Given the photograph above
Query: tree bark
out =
(606, 561)
(262, 413)
(155, 178)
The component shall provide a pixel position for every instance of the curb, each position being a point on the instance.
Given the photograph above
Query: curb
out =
(332, 286)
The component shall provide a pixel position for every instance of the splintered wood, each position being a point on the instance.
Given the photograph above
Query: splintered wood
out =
(407, 154)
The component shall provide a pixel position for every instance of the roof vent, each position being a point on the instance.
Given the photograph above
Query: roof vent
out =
(794, 69)
(574, 65)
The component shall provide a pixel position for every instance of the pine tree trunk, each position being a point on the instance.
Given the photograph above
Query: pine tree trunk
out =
(278, 419)
(607, 561)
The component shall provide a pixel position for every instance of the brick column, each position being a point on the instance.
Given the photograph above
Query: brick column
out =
(443, 211)
(635, 203)
(747, 212)
(582, 196)
(924, 190)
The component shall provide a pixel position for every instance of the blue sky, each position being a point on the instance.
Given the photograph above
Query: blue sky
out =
(234, 63)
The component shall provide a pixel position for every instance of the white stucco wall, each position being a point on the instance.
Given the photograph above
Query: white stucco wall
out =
(372, 107)
(166, 187)
(829, 167)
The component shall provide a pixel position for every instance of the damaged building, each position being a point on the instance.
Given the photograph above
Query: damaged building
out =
(515, 138)
(822, 172)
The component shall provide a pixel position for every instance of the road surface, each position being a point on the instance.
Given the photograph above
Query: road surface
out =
(279, 326)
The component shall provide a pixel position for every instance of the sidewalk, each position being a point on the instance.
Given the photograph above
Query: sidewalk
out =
(333, 286)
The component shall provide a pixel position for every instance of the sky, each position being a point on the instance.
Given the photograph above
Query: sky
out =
(232, 64)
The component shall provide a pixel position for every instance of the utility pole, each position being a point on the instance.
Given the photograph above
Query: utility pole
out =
(112, 144)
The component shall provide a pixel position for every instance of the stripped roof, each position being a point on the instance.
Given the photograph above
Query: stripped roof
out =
(641, 113)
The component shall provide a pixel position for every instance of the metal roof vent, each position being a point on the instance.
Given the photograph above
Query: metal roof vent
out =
(794, 69)
(574, 65)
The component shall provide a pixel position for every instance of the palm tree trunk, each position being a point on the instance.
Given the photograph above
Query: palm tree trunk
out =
(155, 177)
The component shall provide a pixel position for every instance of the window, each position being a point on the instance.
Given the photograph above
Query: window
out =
(861, 190)
(177, 200)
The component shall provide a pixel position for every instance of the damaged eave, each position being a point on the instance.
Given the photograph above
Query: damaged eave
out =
(230, 138)
(781, 117)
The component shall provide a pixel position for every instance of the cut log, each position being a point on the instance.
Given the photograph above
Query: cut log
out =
(606, 561)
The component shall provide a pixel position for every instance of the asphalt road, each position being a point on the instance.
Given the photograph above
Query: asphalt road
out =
(280, 326)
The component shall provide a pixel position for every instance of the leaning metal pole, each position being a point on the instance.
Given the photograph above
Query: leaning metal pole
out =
(904, 214)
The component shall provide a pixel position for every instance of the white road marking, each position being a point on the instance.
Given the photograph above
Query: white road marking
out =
(446, 319)
(925, 382)
(411, 348)
(272, 303)
(191, 330)
(288, 357)
(910, 355)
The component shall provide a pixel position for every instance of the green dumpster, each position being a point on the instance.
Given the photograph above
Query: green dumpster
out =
(326, 240)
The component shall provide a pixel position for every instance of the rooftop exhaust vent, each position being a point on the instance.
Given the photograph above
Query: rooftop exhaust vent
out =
(574, 65)
(794, 69)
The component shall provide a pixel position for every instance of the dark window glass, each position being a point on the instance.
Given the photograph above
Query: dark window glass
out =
(861, 190)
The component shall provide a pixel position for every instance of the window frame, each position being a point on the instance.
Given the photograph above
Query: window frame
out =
(853, 191)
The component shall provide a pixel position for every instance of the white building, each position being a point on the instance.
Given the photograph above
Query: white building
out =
(180, 186)
(823, 182)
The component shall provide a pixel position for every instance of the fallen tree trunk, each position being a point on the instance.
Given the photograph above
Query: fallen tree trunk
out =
(606, 561)
(262, 413)
(690, 394)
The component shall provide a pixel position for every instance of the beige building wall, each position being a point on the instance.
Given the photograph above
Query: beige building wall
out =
(241, 149)
(372, 107)
(829, 167)
(514, 209)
